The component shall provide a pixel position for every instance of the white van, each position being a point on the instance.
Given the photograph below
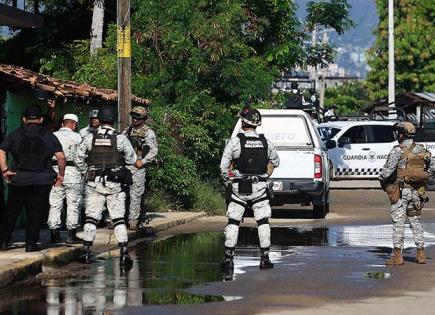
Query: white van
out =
(303, 174)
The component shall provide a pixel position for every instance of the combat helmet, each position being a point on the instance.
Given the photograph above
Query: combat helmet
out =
(405, 128)
(139, 112)
(107, 114)
(93, 113)
(250, 116)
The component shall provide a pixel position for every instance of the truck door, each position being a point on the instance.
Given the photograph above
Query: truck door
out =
(382, 141)
(353, 154)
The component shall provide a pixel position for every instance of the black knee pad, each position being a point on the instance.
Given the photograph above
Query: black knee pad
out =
(91, 220)
(118, 221)
(233, 222)
(263, 221)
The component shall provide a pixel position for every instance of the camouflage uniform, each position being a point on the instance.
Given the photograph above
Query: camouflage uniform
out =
(409, 197)
(100, 191)
(88, 130)
(71, 188)
(235, 211)
(147, 137)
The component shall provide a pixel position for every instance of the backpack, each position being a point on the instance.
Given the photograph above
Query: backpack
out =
(414, 173)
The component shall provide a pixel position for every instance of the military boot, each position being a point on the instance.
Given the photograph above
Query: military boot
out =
(125, 262)
(265, 262)
(4, 246)
(396, 259)
(420, 258)
(228, 263)
(86, 257)
(55, 236)
(72, 238)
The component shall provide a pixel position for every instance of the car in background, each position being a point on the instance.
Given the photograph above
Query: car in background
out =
(303, 174)
(359, 149)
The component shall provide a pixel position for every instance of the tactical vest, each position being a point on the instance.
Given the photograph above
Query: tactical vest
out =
(104, 153)
(253, 156)
(414, 173)
(137, 140)
(32, 154)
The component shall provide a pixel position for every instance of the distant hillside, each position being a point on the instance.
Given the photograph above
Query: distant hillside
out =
(353, 44)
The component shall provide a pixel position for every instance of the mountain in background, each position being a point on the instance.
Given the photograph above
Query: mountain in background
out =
(352, 45)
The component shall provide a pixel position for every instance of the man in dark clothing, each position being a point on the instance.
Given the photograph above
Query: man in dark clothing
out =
(31, 176)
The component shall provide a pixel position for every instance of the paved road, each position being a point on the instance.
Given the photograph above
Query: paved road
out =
(343, 273)
(330, 266)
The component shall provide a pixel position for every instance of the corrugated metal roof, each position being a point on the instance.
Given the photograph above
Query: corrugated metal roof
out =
(426, 95)
(10, 16)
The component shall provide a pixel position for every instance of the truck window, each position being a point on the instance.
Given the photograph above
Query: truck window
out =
(286, 131)
(327, 133)
(356, 134)
(382, 134)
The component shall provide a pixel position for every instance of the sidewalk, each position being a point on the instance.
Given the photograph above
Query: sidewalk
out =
(16, 264)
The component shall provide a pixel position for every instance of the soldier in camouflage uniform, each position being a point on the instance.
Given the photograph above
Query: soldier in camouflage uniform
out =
(409, 199)
(102, 157)
(143, 140)
(94, 124)
(71, 188)
(245, 166)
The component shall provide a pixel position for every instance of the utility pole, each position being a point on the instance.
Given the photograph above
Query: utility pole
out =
(314, 74)
(322, 87)
(124, 63)
(391, 80)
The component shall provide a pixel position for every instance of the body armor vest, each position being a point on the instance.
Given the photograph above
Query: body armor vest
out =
(104, 153)
(137, 140)
(32, 152)
(414, 172)
(253, 158)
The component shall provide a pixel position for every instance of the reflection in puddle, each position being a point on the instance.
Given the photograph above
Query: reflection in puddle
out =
(375, 237)
(162, 271)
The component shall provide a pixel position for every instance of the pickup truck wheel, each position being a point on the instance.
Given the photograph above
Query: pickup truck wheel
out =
(319, 212)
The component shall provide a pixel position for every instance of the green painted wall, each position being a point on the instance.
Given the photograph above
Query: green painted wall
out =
(14, 108)
(16, 104)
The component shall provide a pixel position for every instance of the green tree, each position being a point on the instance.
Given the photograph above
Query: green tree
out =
(414, 49)
(199, 61)
(348, 99)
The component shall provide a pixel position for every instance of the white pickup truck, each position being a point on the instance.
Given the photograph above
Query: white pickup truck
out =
(359, 149)
(303, 175)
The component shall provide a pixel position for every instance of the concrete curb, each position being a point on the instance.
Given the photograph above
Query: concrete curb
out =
(20, 270)
(26, 267)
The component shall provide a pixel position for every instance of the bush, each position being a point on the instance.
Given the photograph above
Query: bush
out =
(209, 198)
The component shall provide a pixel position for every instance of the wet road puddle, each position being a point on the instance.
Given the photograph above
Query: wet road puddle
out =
(164, 271)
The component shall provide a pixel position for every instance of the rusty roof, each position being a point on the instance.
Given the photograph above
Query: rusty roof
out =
(14, 77)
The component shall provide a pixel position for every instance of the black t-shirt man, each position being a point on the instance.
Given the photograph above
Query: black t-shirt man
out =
(23, 177)
(31, 176)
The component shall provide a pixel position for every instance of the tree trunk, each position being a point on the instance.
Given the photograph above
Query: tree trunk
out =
(97, 26)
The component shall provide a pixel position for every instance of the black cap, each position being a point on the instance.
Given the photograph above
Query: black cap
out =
(33, 112)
